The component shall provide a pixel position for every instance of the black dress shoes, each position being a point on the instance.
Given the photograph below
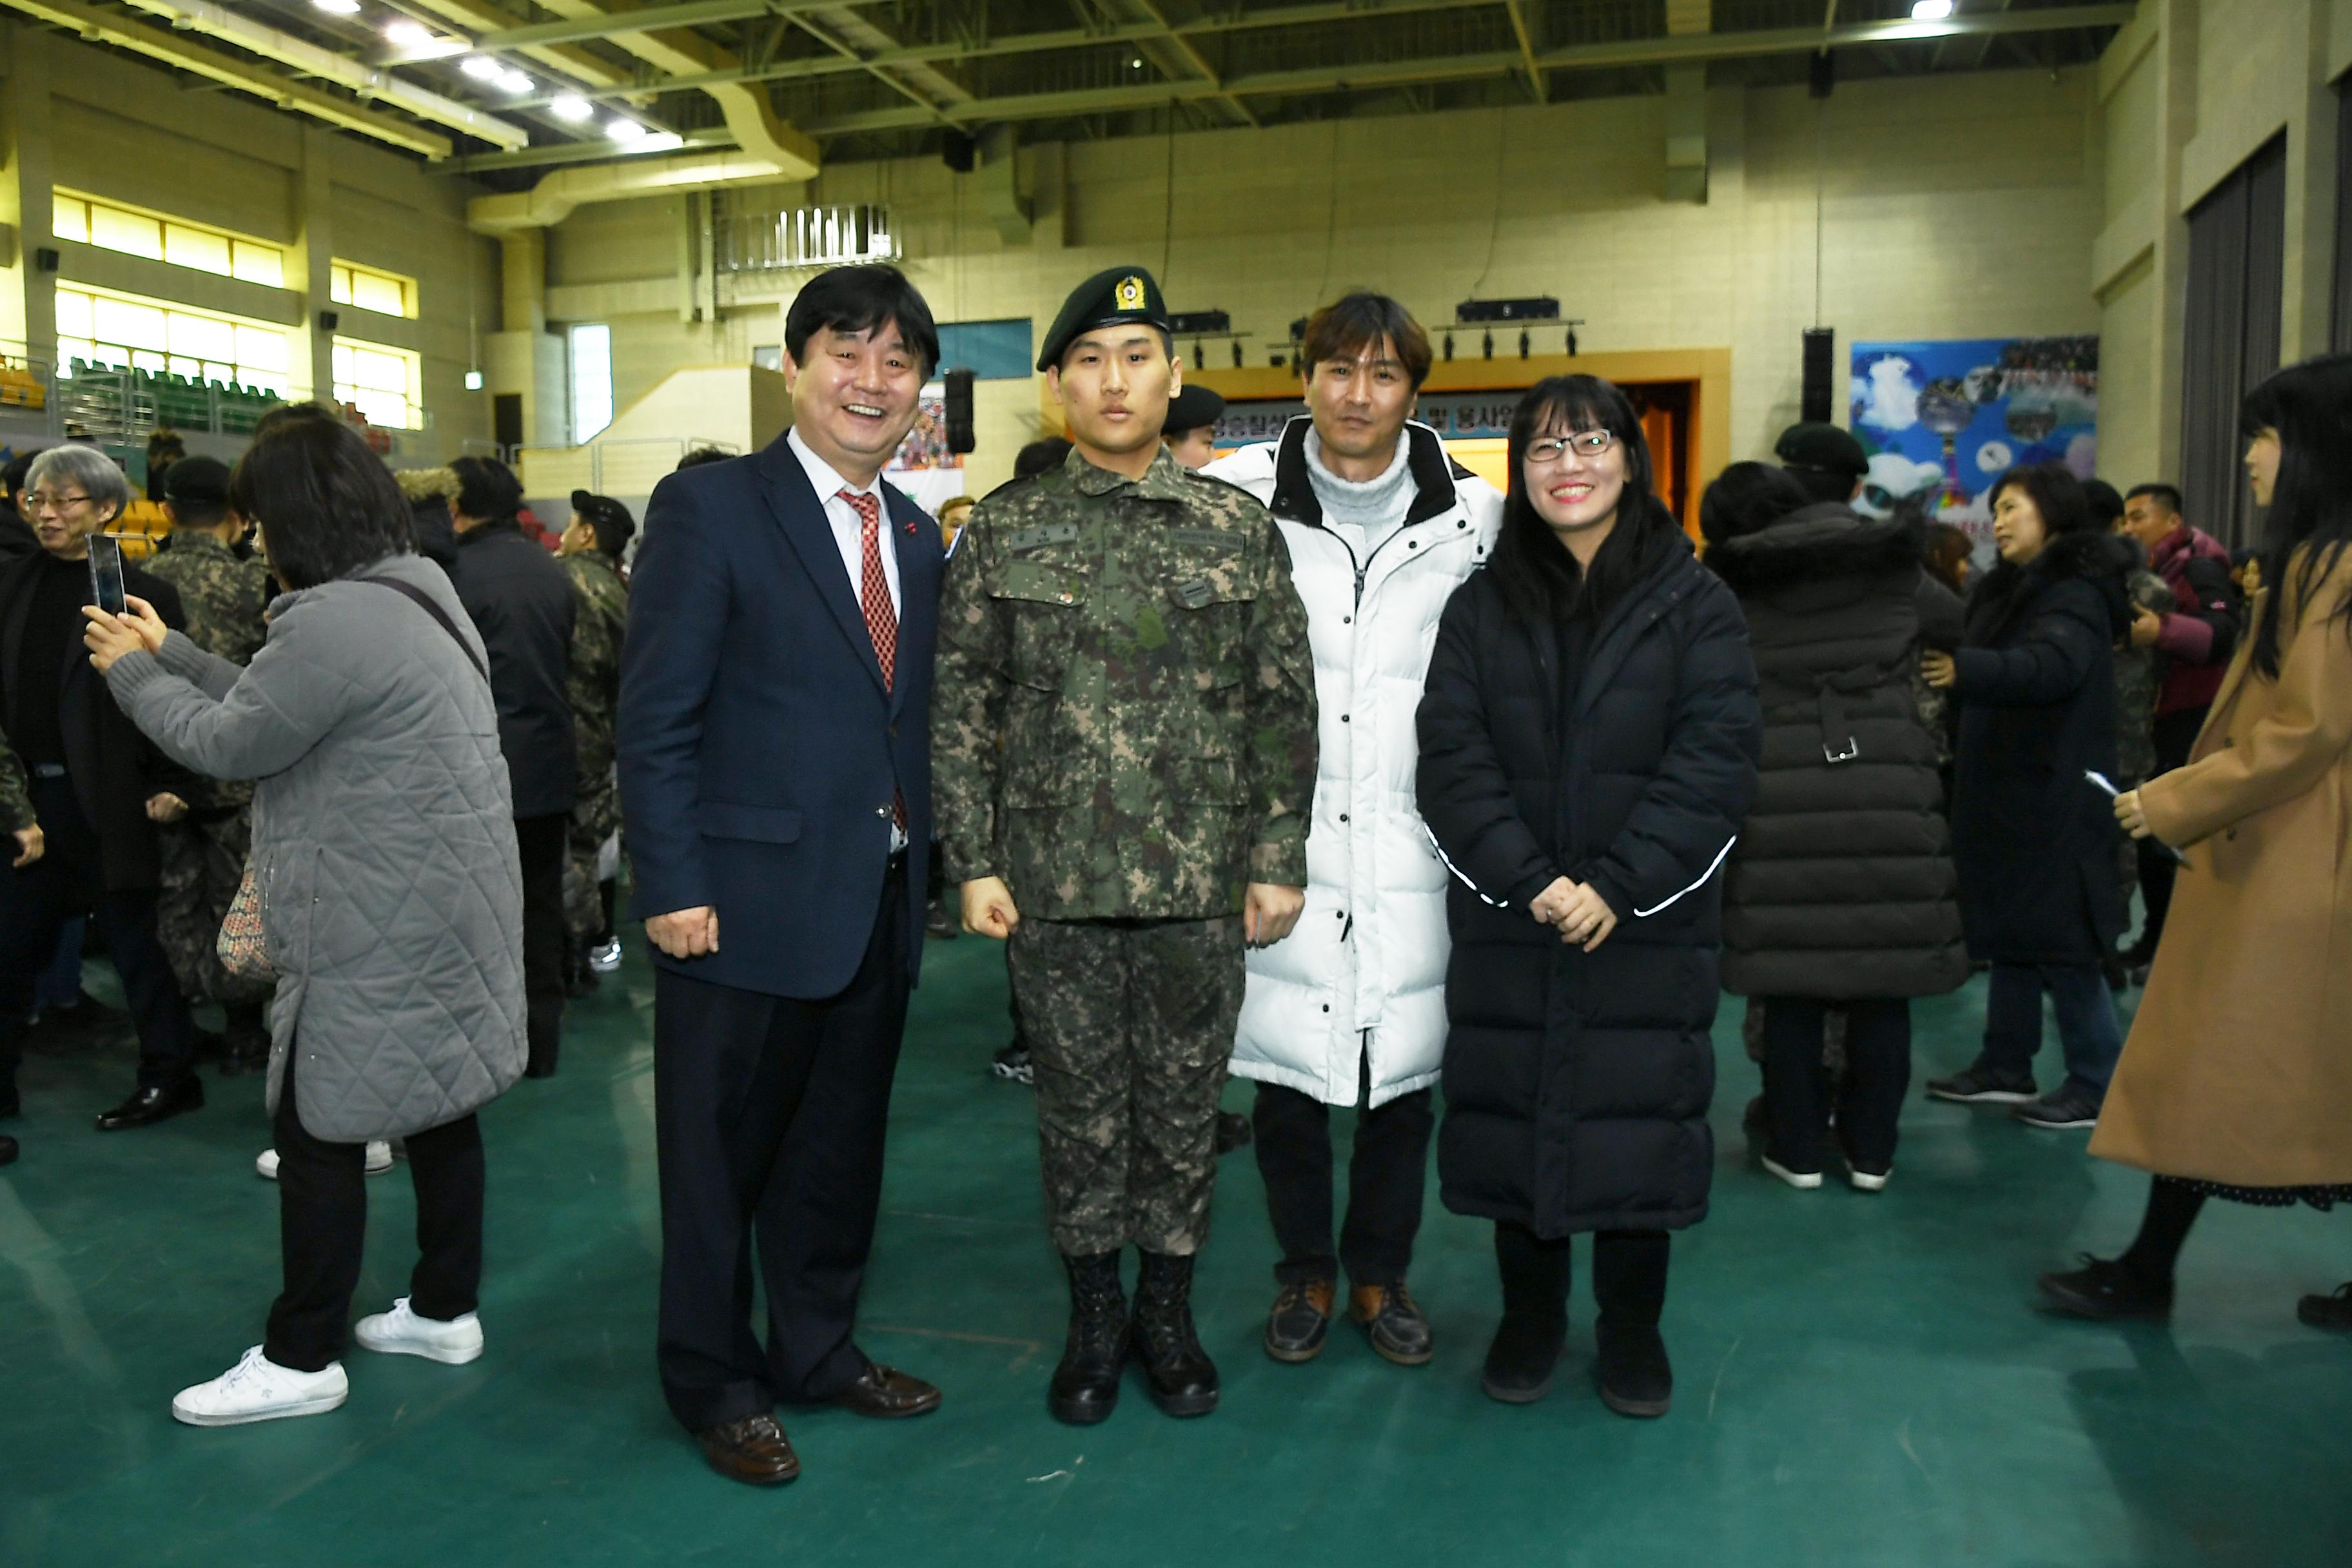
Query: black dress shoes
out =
(156, 1103)
(1393, 1320)
(887, 1394)
(754, 1450)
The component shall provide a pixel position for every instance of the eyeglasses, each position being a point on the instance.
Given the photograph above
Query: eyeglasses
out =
(36, 501)
(1551, 449)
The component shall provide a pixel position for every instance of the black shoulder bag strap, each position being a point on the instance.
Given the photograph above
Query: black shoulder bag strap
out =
(423, 601)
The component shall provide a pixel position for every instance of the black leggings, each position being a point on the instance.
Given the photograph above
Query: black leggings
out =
(322, 1226)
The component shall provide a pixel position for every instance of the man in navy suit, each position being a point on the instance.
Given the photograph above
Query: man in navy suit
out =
(775, 781)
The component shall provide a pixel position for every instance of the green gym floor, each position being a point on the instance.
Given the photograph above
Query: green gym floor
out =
(1858, 1381)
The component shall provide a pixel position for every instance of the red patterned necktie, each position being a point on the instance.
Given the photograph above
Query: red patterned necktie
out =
(873, 597)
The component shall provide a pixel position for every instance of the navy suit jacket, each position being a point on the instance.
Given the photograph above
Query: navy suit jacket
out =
(759, 750)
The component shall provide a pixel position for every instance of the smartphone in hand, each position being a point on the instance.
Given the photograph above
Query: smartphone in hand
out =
(106, 573)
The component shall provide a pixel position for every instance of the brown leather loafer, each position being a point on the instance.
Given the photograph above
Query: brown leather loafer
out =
(754, 1450)
(1392, 1319)
(887, 1394)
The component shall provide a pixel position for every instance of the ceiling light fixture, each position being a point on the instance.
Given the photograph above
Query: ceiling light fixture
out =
(516, 82)
(339, 7)
(407, 34)
(1930, 10)
(659, 142)
(572, 107)
(624, 130)
(482, 67)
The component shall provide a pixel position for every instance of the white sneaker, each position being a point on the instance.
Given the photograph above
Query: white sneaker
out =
(379, 1160)
(1803, 1181)
(605, 959)
(1867, 1180)
(258, 1389)
(402, 1333)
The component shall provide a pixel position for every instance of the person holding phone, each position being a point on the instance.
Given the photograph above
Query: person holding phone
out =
(99, 787)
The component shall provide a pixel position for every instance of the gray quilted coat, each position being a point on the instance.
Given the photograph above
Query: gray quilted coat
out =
(383, 840)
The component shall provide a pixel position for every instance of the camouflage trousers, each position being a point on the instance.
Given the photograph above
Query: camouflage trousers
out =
(1130, 1027)
(203, 864)
(596, 817)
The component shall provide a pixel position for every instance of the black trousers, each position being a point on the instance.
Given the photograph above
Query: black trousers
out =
(1629, 1274)
(771, 1112)
(2176, 735)
(544, 842)
(1387, 1172)
(322, 1230)
(36, 903)
(1799, 1097)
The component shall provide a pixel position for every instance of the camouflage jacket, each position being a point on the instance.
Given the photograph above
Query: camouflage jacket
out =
(1123, 722)
(596, 682)
(2139, 673)
(224, 597)
(16, 812)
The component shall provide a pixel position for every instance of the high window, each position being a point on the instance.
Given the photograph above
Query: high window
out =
(592, 380)
(385, 383)
(103, 328)
(389, 293)
(137, 232)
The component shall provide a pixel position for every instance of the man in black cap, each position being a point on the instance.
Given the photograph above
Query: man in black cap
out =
(1124, 758)
(1827, 461)
(1191, 432)
(590, 553)
(224, 596)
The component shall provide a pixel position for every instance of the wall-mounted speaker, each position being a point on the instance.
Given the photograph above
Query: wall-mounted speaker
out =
(1820, 350)
(959, 151)
(328, 321)
(959, 411)
(1820, 74)
(46, 258)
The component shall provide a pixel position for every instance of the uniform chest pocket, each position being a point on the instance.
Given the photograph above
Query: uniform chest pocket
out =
(1046, 603)
(1210, 597)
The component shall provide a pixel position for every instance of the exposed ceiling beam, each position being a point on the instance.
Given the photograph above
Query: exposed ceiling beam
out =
(691, 13)
(218, 21)
(478, 19)
(1186, 54)
(177, 49)
(1526, 48)
(712, 137)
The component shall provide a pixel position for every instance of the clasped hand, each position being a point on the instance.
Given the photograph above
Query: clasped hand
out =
(1576, 911)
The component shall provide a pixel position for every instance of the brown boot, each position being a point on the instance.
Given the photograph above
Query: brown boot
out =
(1392, 1319)
(1295, 1330)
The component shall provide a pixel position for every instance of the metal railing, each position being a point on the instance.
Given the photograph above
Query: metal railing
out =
(803, 236)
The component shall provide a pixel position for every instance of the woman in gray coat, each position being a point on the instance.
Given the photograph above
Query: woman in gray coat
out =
(383, 851)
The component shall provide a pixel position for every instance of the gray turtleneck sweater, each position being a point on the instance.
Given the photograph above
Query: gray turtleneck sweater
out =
(1362, 514)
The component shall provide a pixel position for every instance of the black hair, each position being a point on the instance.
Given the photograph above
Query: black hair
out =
(1354, 322)
(1541, 581)
(1747, 497)
(326, 505)
(197, 513)
(1041, 456)
(1823, 484)
(2107, 506)
(11, 477)
(488, 491)
(699, 455)
(612, 537)
(2056, 494)
(2244, 553)
(2168, 494)
(2309, 408)
(862, 300)
(1949, 549)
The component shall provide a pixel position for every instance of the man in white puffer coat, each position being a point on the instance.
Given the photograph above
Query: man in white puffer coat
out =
(1350, 1010)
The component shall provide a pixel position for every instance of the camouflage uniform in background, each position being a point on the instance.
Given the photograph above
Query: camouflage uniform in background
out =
(16, 812)
(1138, 648)
(2140, 672)
(204, 853)
(596, 689)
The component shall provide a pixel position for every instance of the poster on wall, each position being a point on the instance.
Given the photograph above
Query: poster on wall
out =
(923, 467)
(1942, 420)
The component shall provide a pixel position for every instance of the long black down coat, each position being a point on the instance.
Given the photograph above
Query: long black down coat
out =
(1842, 885)
(2034, 840)
(1577, 1084)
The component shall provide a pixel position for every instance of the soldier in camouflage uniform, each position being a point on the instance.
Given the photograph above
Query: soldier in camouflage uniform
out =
(204, 852)
(591, 551)
(2139, 673)
(1123, 739)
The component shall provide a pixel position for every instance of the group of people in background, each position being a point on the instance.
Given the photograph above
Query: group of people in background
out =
(1320, 762)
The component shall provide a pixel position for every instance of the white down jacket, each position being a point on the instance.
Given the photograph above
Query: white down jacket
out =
(1362, 977)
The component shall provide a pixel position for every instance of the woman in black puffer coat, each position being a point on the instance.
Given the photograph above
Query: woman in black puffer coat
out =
(1588, 750)
(2033, 835)
(1841, 891)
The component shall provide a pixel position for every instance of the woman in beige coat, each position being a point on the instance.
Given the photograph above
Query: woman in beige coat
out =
(2237, 1080)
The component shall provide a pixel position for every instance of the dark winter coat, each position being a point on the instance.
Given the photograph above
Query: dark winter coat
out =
(522, 602)
(2034, 840)
(1842, 885)
(1577, 1084)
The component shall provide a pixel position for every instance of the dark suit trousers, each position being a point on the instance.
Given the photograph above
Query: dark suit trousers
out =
(771, 1112)
(36, 903)
(544, 841)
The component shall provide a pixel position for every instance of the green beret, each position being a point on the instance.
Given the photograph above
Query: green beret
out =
(1120, 294)
(1823, 446)
(1194, 409)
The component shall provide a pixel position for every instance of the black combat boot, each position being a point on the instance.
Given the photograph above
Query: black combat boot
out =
(1534, 1328)
(246, 1041)
(1084, 1388)
(1629, 1280)
(1184, 1379)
